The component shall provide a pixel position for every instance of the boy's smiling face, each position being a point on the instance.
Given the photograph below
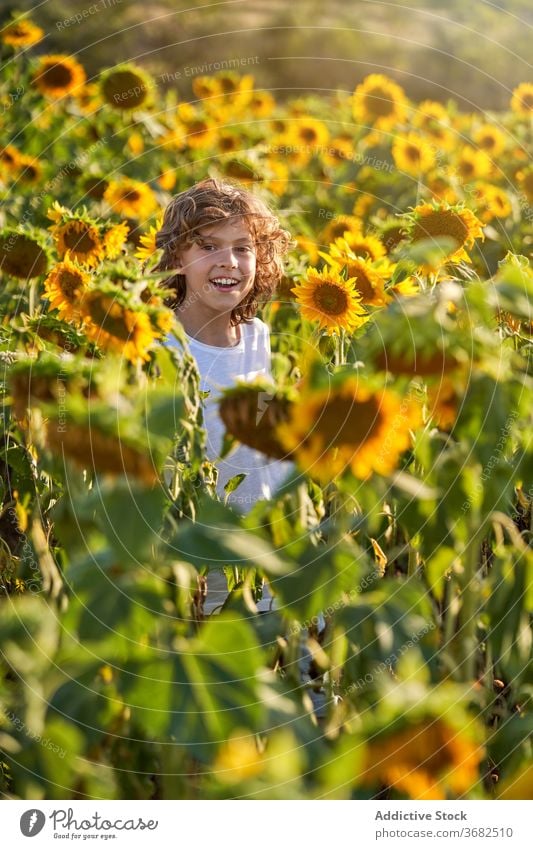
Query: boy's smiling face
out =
(219, 268)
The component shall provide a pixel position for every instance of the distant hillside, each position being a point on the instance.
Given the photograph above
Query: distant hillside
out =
(473, 52)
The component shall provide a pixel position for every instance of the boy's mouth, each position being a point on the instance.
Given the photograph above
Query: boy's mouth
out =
(224, 283)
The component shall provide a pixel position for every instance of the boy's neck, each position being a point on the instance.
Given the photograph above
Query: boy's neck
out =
(217, 331)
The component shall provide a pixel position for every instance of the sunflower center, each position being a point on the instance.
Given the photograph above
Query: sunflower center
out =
(346, 421)
(56, 76)
(330, 299)
(413, 153)
(130, 196)
(363, 283)
(527, 101)
(362, 247)
(308, 134)
(378, 103)
(70, 283)
(80, 241)
(441, 223)
(110, 317)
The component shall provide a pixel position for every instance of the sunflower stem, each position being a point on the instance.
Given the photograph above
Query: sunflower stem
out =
(467, 644)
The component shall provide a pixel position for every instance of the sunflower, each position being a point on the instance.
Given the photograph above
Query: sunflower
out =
(238, 759)
(81, 239)
(309, 133)
(58, 75)
(277, 179)
(147, 242)
(89, 447)
(331, 300)
(412, 154)
(350, 426)
(114, 239)
(525, 181)
(342, 226)
(392, 233)
(379, 101)
(206, 87)
(434, 221)
(21, 33)
(10, 157)
(242, 170)
(199, 133)
(309, 246)
(522, 99)
(117, 328)
(261, 104)
(251, 413)
(366, 246)
(443, 403)
(369, 280)
(237, 90)
(471, 164)
(427, 760)
(491, 201)
(167, 180)
(130, 198)
(228, 142)
(30, 169)
(21, 255)
(126, 87)
(490, 139)
(88, 98)
(339, 151)
(432, 118)
(65, 287)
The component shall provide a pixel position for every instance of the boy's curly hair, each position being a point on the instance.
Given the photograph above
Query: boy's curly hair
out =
(210, 202)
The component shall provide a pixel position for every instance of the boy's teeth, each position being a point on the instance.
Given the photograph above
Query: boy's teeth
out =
(224, 281)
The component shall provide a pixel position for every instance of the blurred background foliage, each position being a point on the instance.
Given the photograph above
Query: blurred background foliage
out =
(473, 52)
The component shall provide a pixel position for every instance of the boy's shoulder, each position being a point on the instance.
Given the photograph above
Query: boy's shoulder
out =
(255, 328)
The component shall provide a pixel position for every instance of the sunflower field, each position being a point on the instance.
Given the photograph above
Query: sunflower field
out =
(399, 549)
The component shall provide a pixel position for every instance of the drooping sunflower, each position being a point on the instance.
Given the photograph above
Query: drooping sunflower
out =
(369, 279)
(81, 239)
(490, 139)
(522, 99)
(412, 154)
(130, 198)
(21, 254)
(380, 102)
(433, 221)
(90, 447)
(252, 411)
(426, 760)
(351, 426)
(65, 288)
(114, 239)
(126, 86)
(326, 297)
(58, 75)
(21, 33)
(116, 327)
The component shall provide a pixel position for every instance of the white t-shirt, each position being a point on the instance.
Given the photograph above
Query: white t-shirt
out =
(221, 368)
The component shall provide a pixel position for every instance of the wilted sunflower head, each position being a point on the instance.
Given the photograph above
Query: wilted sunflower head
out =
(126, 87)
(58, 75)
(22, 254)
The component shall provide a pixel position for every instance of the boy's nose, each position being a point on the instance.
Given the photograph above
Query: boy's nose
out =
(227, 259)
